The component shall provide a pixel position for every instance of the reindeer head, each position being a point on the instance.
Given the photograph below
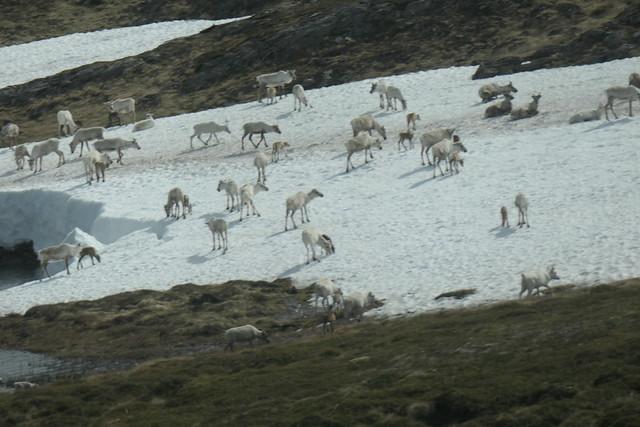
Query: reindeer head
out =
(167, 209)
(264, 336)
(315, 193)
(327, 244)
(276, 129)
(373, 87)
(513, 89)
(383, 132)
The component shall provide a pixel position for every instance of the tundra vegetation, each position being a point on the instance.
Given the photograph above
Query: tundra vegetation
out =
(535, 362)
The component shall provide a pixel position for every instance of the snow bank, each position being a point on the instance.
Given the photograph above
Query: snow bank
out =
(52, 217)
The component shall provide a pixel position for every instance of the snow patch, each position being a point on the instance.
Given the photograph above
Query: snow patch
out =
(25, 62)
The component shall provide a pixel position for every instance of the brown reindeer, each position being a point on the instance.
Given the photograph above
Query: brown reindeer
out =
(504, 216)
(89, 251)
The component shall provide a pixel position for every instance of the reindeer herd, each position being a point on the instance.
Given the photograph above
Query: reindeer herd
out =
(444, 144)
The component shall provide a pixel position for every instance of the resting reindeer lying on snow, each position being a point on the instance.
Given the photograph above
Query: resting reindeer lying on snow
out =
(529, 111)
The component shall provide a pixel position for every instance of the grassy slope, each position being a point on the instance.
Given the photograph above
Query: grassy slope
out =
(570, 360)
(218, 66)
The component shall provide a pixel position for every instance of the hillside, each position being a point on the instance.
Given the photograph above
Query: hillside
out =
(328, 43)
(538, 362)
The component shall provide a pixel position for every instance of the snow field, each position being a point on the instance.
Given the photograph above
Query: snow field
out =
(398, 232)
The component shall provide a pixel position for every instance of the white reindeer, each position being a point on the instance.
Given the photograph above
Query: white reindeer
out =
(219, 227)
(444, 150)
(535, 279)
(325, 288)
(43, 149)
(394, 94)
(491, 91)
(115, 144)
(529, 111)
(66, 125)
(299, 201)
(625, 93)
(311, 237)
(299, 97)
(232, 191)
(271, 95)
(258, 127)
(501, 108)
(277, 79)
(145, 124)
(63, 251)
(522, 204)
(247, 193)
(429, 139)
(10, 131)
(210, 128)
(587, 116)
(277, 148)
(96, 162)
(175, 198)
(367, 124)
(356, 303)
(260, 162)
(118, 107)
(246, 333)
(362, 142)
(82, 136)
(380, 87)
(20, 153)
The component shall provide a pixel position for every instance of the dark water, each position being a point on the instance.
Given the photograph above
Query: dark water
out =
(40, 368)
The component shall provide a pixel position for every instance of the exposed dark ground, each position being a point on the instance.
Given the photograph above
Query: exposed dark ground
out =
(570, 359)
(328, 42)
